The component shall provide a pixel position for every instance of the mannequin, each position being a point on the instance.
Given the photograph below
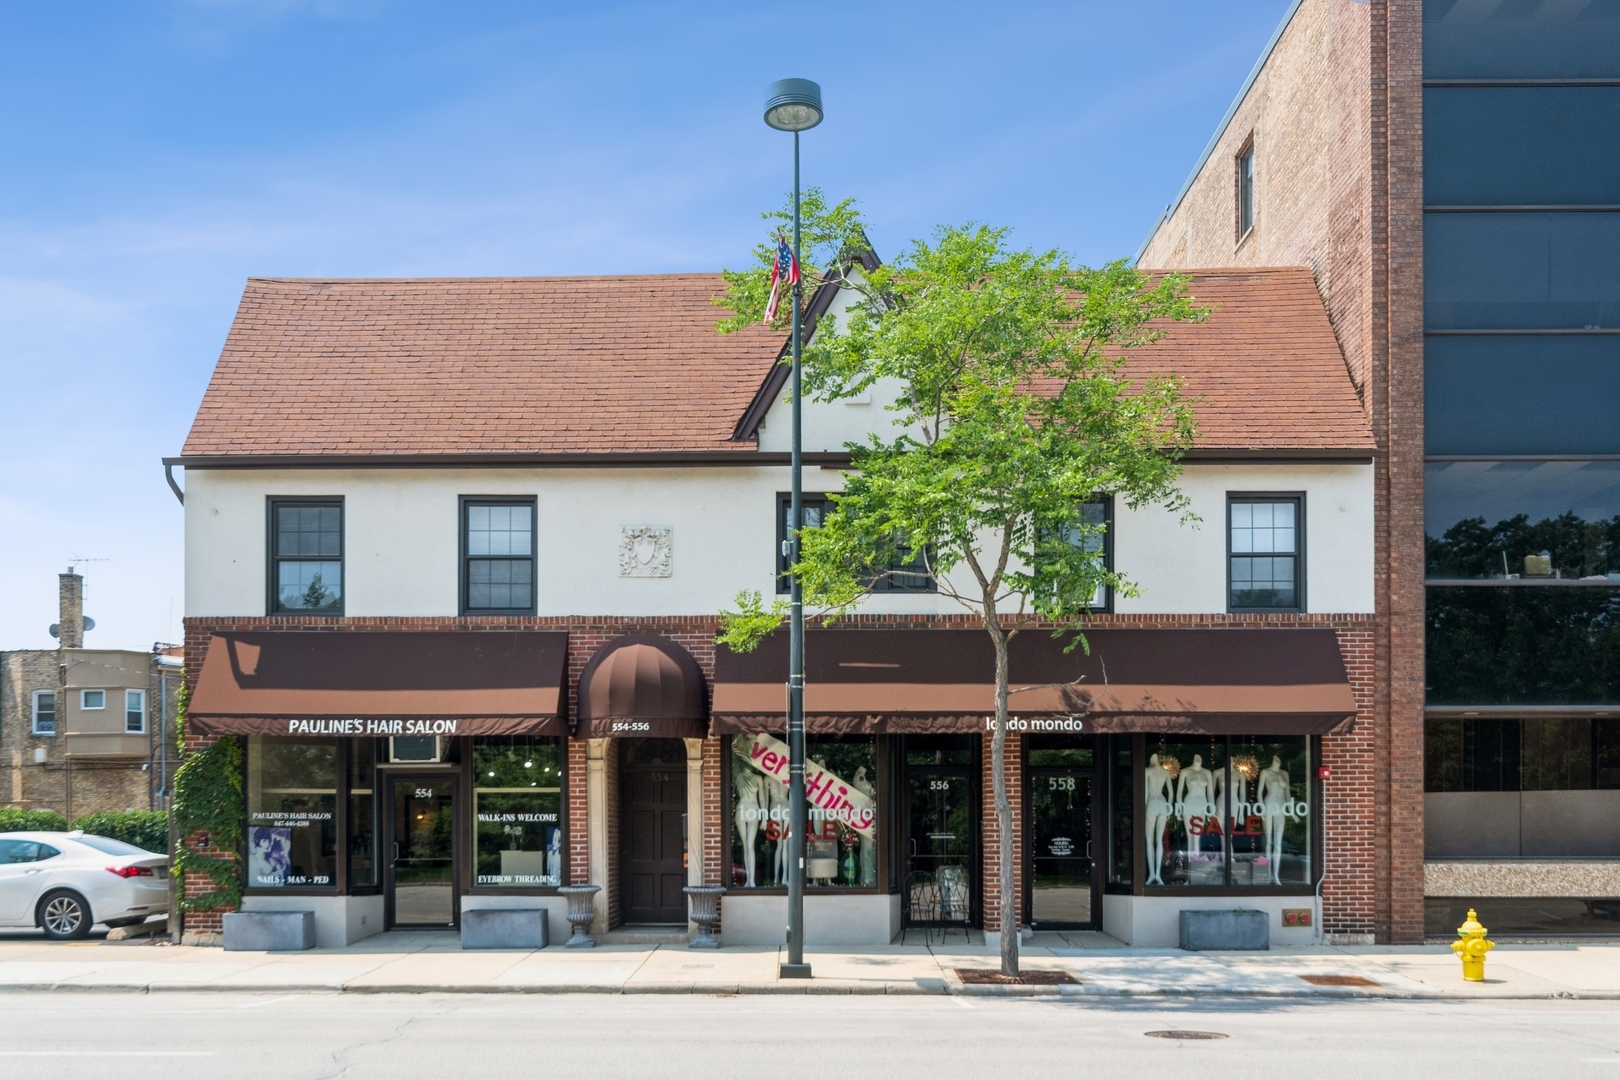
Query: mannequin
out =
(1158, 787)
(752, 805)
(868, 843)
(1195, 790)
(776, 801)
(1272, 793)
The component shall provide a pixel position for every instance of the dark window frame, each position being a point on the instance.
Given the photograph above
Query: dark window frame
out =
(273, 561)
(464, 559)
(1107, 503)
(784, 502)
(1298, 499)
(1244, 180)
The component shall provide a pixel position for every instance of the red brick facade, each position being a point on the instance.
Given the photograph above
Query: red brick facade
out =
(1350, 902)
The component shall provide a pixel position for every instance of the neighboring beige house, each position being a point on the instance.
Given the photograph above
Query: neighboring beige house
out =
(83, 730)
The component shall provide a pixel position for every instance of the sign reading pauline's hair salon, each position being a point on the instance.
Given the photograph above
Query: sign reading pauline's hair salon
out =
(831, 797)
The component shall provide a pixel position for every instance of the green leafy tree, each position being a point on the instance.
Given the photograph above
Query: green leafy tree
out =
(1014, 409)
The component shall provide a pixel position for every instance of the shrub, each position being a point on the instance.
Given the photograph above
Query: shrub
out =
(148, 830)
(16, 819)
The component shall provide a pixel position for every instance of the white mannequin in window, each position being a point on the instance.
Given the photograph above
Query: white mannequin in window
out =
(1158, 787)
(1272, 793)
(868, 843)
(1195, 789)
(752, 806)
(776, 796)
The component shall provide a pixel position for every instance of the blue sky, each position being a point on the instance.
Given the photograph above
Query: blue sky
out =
(155, 155)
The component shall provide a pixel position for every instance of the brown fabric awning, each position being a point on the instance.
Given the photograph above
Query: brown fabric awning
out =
(313, 682)
(642, 685)
(1188, 681)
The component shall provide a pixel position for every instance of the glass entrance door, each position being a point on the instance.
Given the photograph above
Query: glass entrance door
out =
(940, 841)
(422, 852)
(1060, 879)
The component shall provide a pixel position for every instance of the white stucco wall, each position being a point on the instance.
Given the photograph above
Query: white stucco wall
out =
(401, 544)
(1181, 569)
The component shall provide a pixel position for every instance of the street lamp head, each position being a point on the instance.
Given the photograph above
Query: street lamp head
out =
(793, 105)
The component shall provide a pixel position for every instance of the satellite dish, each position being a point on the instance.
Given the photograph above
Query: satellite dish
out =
(89, 623)
(54, 629)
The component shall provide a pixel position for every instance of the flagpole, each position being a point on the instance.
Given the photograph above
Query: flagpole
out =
(795, 105)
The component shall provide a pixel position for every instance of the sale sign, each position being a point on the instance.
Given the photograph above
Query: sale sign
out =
(831, 797)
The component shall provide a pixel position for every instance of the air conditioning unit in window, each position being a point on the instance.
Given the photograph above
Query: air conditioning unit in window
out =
(415, 749)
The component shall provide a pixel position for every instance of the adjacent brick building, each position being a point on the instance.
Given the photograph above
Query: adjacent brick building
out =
(80, 728)
(1433, 165)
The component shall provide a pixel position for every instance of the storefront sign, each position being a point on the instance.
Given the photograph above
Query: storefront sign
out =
(831, 797)
(358, 726)
(1037, 723)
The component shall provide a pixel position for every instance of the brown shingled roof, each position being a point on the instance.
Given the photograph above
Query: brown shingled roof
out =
(603, 365)
(1265, 366)
(479, 366)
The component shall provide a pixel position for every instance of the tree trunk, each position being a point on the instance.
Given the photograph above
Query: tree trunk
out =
(1004, 822)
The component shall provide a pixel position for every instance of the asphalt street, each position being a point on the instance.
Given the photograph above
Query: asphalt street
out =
(72, 1035)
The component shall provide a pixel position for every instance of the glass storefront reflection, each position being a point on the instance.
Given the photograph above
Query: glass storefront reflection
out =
(1519, 646)
(292, 813)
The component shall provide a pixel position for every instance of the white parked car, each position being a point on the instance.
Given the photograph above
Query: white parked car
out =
(64, 882)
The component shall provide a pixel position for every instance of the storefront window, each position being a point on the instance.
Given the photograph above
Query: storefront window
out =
(1182, 815)
(363, 813)
(517, 797)
(1121, 849)
(1222, 812)
(841, 783)
(292, 810)
(1271, 811)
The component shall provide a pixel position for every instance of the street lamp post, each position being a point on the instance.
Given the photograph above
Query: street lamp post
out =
(795, 105)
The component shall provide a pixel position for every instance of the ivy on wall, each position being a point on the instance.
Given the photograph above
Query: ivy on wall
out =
(208, 800)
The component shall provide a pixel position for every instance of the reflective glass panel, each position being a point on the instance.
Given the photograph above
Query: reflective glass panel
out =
(1544, 520)
(1522, 395)
(517, 795)
(841, 781)
(1269, 809)
(1520, 39)
(1521, 271)
(363, 813)
(292, 809)
(1521, 146)
(1508, 645)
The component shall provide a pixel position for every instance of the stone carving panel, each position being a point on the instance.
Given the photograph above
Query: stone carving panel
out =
(646, 551)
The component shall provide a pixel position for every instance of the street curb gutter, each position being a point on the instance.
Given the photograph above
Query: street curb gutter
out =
(811, 989)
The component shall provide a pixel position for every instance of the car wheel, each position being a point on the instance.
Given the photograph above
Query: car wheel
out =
(64, 916)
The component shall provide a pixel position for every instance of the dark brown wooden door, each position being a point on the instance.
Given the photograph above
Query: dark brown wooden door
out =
(652, 783)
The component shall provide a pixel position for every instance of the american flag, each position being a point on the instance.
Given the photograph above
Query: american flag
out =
(785, 269)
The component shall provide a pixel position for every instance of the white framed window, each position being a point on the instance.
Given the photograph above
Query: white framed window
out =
(92, 699)
(44, 712)
(134, 712)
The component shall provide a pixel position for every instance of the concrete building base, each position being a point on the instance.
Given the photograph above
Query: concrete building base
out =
(1155, 921)
(828, 920)
(339, 920)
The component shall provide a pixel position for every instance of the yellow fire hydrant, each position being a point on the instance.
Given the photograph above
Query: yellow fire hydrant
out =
(1471, 948)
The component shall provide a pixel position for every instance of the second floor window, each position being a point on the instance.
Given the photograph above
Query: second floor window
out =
(91, 700)
(497, 575)
(44, 712)
(1099, 537)
(134, 712)
(306, 556)
(908, 571)
(1265, 552)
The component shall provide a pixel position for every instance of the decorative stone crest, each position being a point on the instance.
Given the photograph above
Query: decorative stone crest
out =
(645, 551)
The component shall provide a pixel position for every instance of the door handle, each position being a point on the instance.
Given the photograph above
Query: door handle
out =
(396, 850)
(36, 870)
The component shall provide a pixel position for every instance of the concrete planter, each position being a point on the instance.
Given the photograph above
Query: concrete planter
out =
(581, 912)
(505, 928)
(1229, 929)
(269, 931)
(706, 913)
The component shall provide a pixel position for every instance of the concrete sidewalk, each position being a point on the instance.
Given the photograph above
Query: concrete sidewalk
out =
(426, 962)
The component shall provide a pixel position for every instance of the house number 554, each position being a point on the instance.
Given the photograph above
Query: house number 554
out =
(424, 793)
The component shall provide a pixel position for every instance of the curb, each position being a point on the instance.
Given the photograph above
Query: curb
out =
(812, 988)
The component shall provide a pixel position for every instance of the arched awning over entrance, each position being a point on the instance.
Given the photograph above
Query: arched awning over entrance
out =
(642, 685)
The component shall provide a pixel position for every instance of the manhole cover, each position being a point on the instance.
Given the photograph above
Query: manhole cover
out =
(1184, 1035)
(983, 977)
(1337, 980)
